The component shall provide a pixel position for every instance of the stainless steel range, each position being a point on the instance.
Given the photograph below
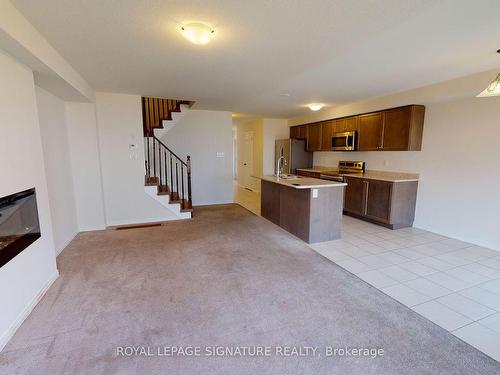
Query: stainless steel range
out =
(345, 168)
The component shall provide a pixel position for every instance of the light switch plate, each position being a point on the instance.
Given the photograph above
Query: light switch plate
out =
(220, 154)
(315, 193)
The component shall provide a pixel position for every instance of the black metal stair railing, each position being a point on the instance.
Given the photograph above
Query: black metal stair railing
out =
(173, 173)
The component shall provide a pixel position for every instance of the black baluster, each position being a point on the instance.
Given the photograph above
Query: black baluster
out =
(154, 157)
(148, 163)
(177, 179)
(171, 174)
(190, 201)
(166, 171)
(182, 184)
(159, 165)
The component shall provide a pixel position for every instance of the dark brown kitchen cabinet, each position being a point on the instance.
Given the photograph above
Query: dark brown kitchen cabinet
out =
(403, 128)
(327, 130)
(378, 200)
(396, 129)
(301, 172)
(346, 124)
(370, 131)
(354, 200)
(294, 132)
(298, 132)
(391, 204)
(314, 137)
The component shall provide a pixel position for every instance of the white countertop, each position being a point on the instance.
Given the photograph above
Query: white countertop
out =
(369, 174)
(303, 182)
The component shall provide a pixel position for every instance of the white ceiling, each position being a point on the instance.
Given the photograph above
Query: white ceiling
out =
(331, 51)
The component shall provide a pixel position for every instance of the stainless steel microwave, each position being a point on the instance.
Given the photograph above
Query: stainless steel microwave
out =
(344, 141)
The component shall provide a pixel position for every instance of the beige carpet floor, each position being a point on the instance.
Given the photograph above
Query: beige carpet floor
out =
(226, 278)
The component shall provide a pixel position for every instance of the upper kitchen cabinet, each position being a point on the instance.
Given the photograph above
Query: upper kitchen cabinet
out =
(314, 140)
(346, 124)
(327, 130)
(397, 129)
(370, 134)
(298, 132)
(403, 128)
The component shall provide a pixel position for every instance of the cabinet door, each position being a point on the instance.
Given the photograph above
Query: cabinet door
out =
(354, 200)
(370, 131)
(351, 124)
(378, 200)
(303, 131)
(294, 132)
(396, 129)
(327, 130)
(314, 137)
(339, 125)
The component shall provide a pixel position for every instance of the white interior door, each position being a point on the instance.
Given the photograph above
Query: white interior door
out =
(247, 161)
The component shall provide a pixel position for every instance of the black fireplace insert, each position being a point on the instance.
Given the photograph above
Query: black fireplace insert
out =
(19, 224)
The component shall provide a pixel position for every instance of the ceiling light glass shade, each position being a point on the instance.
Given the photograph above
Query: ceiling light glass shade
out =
(493, 88)
(197, 32)
(315, 106)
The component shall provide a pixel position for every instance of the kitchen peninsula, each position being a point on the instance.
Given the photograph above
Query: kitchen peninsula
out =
(309, 208)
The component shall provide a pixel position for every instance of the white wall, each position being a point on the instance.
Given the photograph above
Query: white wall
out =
(52, 118)
(85, 165)
(119, 122)
(201, 134)
(25, 278)
(273, 129)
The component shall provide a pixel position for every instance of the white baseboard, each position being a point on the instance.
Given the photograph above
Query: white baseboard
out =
(6, 336)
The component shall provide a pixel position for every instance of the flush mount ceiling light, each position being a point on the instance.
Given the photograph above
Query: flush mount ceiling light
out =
(315, 106)
(197, 32)
(493, 88)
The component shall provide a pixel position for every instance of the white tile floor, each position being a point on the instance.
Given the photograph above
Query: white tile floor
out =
(452, 283)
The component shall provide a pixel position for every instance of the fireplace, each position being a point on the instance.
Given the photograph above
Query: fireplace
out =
(19, 225)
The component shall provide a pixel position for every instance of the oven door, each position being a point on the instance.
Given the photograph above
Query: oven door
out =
(344, 141)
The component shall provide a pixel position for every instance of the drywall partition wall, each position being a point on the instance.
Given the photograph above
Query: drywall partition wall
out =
(52, 118)
(207, 137)
(119, 123)
(26, 277)
(85, 165)
(273, 129)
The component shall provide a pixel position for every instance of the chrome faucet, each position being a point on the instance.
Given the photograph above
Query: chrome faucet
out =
(279, 166)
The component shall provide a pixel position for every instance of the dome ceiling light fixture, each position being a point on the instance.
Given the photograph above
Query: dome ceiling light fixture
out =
(493, 88)
(197, 32)
(315, 106)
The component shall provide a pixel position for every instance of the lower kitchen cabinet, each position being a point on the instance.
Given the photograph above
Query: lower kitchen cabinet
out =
(354, 200)
(391, 204)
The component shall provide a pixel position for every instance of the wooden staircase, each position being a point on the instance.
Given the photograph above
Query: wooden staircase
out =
(164, 169)
(157, 110)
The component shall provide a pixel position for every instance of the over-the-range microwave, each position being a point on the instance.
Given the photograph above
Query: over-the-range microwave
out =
(345, 141)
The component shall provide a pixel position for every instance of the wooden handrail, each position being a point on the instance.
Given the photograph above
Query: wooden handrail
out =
(169, 150)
